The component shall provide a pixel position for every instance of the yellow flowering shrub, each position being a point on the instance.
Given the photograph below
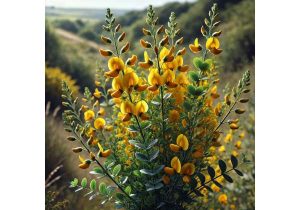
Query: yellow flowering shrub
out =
(54, 77)
(152, 126)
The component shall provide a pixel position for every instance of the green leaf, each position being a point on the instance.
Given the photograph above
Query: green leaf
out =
(191, 89)
(74, 182)
(194, 76)
(102, 188)
(141, 157)
(154, 155)
(199, 91)
(145, 124)
(152, 172)
(155, 187)
(200, 64)
(96, 170)
(137, 144)
(84, 182)
(167, 95)
(211, 172)
(217, 184)
(238, 172)
(116, 170)
(155, 103)
(222, 166)
(187, 105)
(137, 173)
(152, 143)
(133, 129)
(124, 179)
(208, 188)
(128, 190)
(120, 196)
(234, 161)
(202, 178)
(228, 178)
(93, 184)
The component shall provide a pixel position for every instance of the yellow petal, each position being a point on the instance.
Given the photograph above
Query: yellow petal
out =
(126, 107)
(196, 42)
(175, 163)
(81, 159)
(183, 142)
(141, 107)
(175, 148)
(99, 123)
(100, 147)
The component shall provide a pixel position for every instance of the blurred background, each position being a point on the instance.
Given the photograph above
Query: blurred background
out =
(72, 31)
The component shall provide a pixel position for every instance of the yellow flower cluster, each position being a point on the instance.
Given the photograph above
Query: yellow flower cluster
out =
(158, 117)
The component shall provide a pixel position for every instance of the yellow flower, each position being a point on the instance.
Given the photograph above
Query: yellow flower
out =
(196, 47)
(173, 116)
(99, 123)
(188, 169)
(242, 135)
(181, 79)
(233, 126)
(117, 87)
(238, 144)
(213, 45)
(115, 65)
(89, 115)
(168, 78)
(222, 148)
(109, 128)
(127, 109)
(183, 142)
(147, 63)
(175, 148)
(218, 109)
(154, 79)
(228, 137)
(140, 109)
(175, 163)
(101, 111)
(214, 91)
(97, 93)
(131, 61)
(130, 79)
(102, 152)
(169, 170)
(222, 199)
(84, 163)
(235, 153)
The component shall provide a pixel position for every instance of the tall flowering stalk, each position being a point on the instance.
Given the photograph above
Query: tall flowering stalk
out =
(149, 125)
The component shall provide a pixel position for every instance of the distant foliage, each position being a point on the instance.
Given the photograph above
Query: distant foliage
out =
(54, 77)
(71, 63)
(67, 25)
(240, 31)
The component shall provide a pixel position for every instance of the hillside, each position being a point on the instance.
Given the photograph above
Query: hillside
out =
(237, 24)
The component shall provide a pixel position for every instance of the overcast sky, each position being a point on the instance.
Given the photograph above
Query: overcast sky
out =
(119, 4)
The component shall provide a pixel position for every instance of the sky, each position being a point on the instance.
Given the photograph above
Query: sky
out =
(116, 4)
